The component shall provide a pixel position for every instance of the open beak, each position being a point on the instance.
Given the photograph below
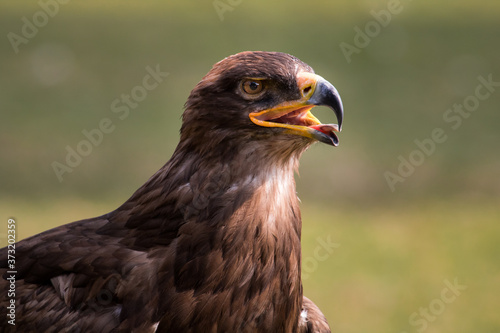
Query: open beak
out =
(295, 116)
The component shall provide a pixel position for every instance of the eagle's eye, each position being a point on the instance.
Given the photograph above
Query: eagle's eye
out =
(252, 86)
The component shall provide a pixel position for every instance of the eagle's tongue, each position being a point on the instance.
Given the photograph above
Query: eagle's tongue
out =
(326, 128)
(329, 130)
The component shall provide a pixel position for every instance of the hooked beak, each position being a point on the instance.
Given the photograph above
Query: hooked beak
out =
(295, 116)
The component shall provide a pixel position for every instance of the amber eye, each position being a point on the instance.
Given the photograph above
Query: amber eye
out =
(252, 87)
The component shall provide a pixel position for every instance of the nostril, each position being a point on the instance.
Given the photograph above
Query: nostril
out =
(306, 90)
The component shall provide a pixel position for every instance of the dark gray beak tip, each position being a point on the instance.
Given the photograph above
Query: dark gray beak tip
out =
(326, 94)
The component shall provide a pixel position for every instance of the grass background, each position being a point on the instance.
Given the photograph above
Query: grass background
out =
(396, 248)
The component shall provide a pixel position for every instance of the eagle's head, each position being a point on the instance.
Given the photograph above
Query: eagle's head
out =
(261, 99)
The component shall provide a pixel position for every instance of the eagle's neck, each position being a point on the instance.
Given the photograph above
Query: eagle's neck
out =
(247, 188)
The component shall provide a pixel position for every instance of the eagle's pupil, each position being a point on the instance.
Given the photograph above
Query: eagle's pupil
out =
(252, 87)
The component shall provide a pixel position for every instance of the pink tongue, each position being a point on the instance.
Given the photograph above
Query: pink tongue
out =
(327, 129)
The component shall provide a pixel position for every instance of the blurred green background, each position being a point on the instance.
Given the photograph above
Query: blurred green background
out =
(395, 248)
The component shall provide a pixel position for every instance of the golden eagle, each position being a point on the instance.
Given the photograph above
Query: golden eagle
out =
(211, 242)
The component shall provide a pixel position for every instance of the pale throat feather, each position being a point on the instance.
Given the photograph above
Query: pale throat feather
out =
(277, 194)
